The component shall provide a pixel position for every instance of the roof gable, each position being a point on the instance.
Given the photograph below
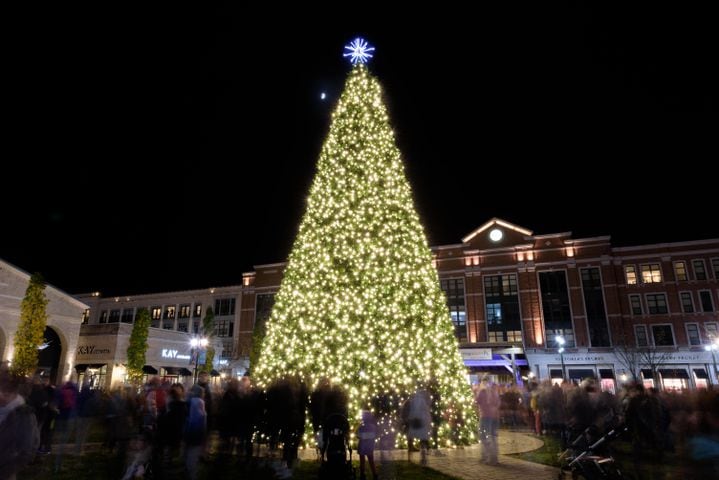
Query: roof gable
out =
(497, 233)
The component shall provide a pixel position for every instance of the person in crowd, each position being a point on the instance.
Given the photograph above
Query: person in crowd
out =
(19, 434)
(195, 430)
(488, 402)
(418, 422)
(367, 433)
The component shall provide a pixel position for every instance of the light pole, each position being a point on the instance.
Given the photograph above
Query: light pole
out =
(713, 347)
(560, 341)
(200, 344)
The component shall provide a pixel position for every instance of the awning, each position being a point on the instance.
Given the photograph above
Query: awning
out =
(701, 373)
(581, 373)
(149, 370)
(81, 367)
(647, 374)
(674, 373)
(180, 371)
(555, 373)
(606, 373)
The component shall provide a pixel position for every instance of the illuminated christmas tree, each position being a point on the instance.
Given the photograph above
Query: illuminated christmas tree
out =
(360, 301)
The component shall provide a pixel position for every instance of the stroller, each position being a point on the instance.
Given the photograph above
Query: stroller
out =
(589, 459)
(335, 445)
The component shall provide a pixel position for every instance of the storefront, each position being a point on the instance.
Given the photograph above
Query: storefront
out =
(102, 356)
(675, 370)
(500, 365)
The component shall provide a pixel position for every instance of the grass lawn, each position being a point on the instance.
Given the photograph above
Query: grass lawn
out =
(671, 467)
(96, 465)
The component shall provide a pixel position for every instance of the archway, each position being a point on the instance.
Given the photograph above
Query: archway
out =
(50, 352)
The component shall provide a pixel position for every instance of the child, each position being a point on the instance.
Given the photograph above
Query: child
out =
(367, 433)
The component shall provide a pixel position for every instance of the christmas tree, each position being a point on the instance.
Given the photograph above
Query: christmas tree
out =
(360, 301)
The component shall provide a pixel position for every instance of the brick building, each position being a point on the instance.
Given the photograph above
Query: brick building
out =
(512, 293)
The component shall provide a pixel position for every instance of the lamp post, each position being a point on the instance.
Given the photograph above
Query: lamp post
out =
(713, 347)
(200, 344)
(560, 341)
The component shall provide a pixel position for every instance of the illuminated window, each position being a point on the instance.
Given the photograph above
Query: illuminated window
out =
(712, 331)
(680, 271)
(185, 311)
(630, 272)
(156, 313)
(700, 272)
(103, 316)
(198, 310)
(454, 290)
(687, 302)
(170, 312)
(502, 307)
(86, 316)
(651, 273)
(657, 303)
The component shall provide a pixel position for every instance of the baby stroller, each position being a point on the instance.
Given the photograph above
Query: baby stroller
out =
(588, 458)
(335, 446)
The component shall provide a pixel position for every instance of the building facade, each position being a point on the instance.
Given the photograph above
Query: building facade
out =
(647, 312)
(57, 354)
(176, 318)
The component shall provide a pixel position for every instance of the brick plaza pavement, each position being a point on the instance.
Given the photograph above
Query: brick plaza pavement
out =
(464, 462)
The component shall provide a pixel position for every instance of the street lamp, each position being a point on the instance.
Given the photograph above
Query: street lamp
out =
(713, 347)
(560, 341)
(201, 344)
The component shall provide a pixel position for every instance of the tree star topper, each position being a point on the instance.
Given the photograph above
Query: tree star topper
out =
(359, 51)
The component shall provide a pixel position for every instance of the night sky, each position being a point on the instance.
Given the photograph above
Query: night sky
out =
(170, 148)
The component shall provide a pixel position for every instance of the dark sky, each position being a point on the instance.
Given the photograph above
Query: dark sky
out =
(168, 147)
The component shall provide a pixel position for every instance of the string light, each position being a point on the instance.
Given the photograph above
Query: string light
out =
(360, 302)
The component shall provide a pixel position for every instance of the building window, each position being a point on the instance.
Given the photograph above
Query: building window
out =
(86, 316)
(128, 315)
(224, 328)
(454, 291)
(657, 303)
(693, 334)
(630, 272)
(184, 311)
(651, 273)
(156, 313)
(715, 268)
(555, 306)
(224, 306)
(680, 271)
(502, 305)
(635, 301)
(182, 325)
(687, 302)
(594, 306)
(103, 316)
(114, 316)
(263, 307)
(169, 312)
(705, 297)
(663, 335)
(700, 272)
(640, 332)
(712, 331)
(198, 311)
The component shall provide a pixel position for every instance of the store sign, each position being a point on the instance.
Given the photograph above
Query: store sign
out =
(92, 350)
(582, 358)
(476, 353)
(169, 353)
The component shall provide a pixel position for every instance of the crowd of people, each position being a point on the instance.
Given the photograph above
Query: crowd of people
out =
(164, 424)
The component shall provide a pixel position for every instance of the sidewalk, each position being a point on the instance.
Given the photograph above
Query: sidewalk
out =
(464, 462)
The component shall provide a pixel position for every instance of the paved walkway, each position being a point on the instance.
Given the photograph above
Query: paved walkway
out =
(464, 462)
